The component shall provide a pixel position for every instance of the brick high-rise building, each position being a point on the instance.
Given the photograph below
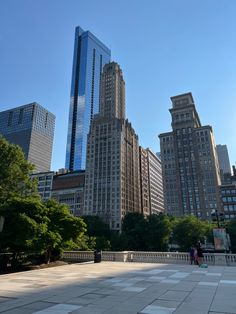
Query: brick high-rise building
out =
(191, 175)
(68, 188)
(112, 165)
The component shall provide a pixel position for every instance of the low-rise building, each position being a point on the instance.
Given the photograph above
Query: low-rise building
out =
(228, 197)
(68, 188)
(45, 180)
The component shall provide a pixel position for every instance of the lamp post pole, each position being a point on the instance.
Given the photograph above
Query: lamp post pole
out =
(1, 223)
(217, 218)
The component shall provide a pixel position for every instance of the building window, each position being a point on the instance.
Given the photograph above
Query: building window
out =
(9, 123)
(46, 120)
(21, 116)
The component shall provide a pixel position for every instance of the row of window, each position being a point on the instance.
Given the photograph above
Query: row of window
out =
(226, 192)
(229, 208)
(229, 199)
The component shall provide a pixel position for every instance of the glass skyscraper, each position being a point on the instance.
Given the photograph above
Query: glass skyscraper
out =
(90, 55)
(32, 128)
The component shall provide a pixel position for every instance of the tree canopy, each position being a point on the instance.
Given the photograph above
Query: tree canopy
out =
(158, 232)
(134, 227)
(15, 172)
(232, 233)
(188, 231)
(31, 225)
(99, 231)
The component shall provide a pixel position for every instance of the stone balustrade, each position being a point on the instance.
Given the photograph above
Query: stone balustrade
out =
(219, 259)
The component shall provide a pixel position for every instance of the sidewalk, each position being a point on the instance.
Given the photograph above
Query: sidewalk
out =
(120, 288)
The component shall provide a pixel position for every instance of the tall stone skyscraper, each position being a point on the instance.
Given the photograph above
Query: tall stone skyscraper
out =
(191, 176)
(32, 128)
(112, 166)
(90, 55)
(152, 198)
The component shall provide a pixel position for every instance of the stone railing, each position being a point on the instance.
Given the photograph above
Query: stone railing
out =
(220, 259)
(86, 256)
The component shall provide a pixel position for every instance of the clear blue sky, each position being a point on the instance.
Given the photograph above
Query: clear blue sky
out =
(164, 48)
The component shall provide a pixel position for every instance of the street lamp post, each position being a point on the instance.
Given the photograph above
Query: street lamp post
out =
(217, 217)
(2, 219)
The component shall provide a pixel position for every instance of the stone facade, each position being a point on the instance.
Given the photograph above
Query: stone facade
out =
(144, 181)
(68, 188)
(155, 183)
(152, 198)
(112, 165)
(228, 197)
(45, 181)
(191, 175)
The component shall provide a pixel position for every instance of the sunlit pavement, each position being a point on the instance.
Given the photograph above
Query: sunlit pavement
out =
(120, 288)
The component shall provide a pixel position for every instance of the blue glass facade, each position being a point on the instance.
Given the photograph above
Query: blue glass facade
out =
(90, 55)
(32, 128)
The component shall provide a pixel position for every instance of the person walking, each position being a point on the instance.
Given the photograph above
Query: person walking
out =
(199, 254)
(191, 255)
(195, 256)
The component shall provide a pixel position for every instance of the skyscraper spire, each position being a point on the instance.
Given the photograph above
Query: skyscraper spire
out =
(112, 92)
(90, 55)
(112, 166)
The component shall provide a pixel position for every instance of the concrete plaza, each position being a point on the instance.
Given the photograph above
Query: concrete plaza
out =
(120, 288)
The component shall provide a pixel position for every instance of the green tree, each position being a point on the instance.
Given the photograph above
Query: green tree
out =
(158, 232)
(232, 233)
(98, 230)
(119, 242)
(31, 226)
(63, 230)
(189, 231)
(15, 172)
(25, 219)
(134, 227)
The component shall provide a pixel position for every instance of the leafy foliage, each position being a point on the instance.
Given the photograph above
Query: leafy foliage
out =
(15, 173)
(232, 233)
(134, 228)
(33, 226)
(146, 234)
(24, 220)
(99, 231)
(189, 231)
(158, 232)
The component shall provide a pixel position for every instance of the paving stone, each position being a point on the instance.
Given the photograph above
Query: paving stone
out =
(167, 303)
(186, 308)
(120, 288)
(230, 282)
(170, 281)
(228, 306)
(180, 275)
(174, 295)
(5, 299)
(186, 285)
(133, 289)
(156, 278)
(214, 274)
(19, 311)
(59, 309)
(38, 305)
(208, 283)
(155, 309)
